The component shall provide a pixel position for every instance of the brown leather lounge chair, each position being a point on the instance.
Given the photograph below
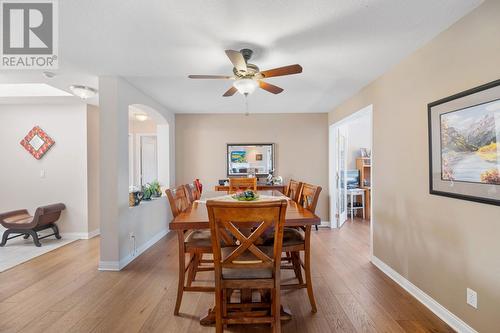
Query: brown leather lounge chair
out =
(22, 223)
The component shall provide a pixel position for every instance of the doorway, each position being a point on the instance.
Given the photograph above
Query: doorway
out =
(350, 169)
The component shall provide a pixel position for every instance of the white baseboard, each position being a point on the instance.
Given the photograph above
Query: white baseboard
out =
(94, 233)
(324, 224)
(109, 266)
(456, 323)
(80, 235)
(119, 265)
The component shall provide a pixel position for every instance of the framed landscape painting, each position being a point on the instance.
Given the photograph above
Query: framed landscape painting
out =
(464, 145)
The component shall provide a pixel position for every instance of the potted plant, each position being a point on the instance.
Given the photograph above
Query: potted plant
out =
(147, 192)
(156, 188)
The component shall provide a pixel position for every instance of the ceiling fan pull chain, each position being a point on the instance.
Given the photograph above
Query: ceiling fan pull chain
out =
(246, 105)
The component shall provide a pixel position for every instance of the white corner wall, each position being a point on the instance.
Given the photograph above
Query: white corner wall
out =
(359, 130)
(64, 165)
(147, 222)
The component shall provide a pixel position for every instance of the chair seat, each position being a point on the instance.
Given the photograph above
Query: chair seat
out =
(21, 221)
(291, 237)
(198, 238)
(244, 273)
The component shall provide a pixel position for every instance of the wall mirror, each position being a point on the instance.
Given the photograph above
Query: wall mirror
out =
(248, 158)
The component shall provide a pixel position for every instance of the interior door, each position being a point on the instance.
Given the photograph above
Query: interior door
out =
(341, 177)
(149, 162)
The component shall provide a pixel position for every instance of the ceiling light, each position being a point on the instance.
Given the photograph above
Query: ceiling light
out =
(49, 75)
(245, 86)
(83, 92)
(141, 116)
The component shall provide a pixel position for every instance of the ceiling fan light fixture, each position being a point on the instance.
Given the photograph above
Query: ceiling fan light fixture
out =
(245, 86)
(83, 92)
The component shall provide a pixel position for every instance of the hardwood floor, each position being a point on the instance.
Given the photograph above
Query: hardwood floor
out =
(62, 291)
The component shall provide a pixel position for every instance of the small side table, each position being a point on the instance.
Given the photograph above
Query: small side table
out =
(353, 193)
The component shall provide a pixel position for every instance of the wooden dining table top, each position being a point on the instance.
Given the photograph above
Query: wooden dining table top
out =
(196, 216)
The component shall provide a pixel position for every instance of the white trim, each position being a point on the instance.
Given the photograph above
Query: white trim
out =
(456, 323)
(117, 266)
(80, 235)
(127, 260)
(93, 233)
(324, 224)
(109, 266)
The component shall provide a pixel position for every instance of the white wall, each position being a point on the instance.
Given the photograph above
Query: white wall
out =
(147, 222)
(359, 130)
(65, 164)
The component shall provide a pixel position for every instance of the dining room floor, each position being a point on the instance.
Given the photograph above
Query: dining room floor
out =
(62, 291)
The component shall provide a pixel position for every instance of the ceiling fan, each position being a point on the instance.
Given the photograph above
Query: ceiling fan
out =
(248, 76)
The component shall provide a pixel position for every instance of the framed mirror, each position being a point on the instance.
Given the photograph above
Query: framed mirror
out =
(250, 158)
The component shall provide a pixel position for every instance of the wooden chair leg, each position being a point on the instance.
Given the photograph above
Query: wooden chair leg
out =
(307, 269)
(219, 326)
(276, 310)
(6, 234)
(182, 272)
(34, 234)
(193, 269)
(297, 267)
(55, 229)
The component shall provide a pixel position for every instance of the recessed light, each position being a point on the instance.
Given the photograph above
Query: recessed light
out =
(141, 116)
(49, 75)
(83, 92)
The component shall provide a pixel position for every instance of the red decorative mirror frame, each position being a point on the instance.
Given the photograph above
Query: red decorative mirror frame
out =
(37, 142)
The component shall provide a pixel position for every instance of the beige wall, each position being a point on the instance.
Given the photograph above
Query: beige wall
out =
(441, 245)
(93, 167)
(301, 146)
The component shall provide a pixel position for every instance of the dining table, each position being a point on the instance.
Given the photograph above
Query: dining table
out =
(195, 217)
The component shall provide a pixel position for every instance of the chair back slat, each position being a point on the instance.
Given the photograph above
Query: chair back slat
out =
(242, 184)
(178, 199)
(293, 189)
(234, 220)
(192, 192)
(309, 195)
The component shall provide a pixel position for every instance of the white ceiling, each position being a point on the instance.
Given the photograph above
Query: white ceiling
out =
(341, 44)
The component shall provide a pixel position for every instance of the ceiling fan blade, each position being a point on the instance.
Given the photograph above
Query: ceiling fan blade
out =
(225, 77)
(270, 87)
(287, 70)
(237, 59)
(230, 92)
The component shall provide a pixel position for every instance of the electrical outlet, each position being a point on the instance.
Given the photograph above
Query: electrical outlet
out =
(42, 173)
(472, 298)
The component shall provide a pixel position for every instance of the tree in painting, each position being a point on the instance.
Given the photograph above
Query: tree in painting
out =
(470, 149)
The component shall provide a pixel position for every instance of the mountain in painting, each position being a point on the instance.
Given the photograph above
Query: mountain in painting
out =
(482, 132)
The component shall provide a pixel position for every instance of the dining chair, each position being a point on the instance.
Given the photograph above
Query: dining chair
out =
(195, 243)
(293, 189)
(243, 263)
(241, 184)
(193, 192)
(296, 240)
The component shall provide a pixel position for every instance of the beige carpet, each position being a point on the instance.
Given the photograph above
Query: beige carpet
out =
(19, 250)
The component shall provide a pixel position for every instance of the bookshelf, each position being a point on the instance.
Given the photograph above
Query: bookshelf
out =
(364, 165)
